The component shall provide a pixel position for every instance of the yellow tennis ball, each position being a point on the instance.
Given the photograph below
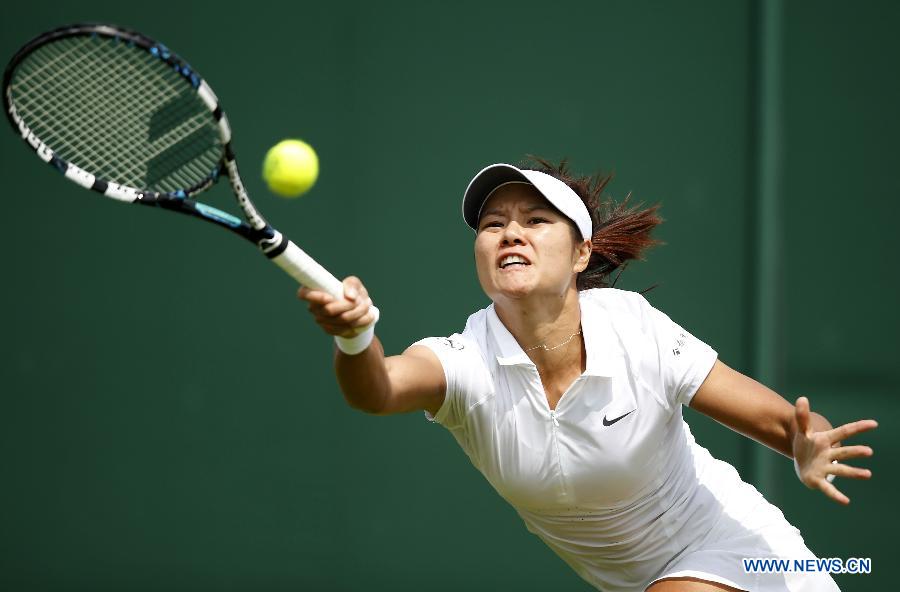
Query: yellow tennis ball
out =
(290, 168)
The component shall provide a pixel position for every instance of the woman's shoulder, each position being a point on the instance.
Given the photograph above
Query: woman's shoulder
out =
(465, 343)
(615, 301)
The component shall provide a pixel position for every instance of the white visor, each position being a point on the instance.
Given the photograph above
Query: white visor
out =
(490, 178)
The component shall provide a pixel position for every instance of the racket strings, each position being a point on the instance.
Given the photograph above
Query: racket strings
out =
(102, 89)
(81, 90)
(95, 93)
(117, 112)
(54, 85)
(124, 98)
(73, 93)
(76, 86)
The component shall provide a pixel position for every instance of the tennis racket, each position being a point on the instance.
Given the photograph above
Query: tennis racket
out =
(119, 113)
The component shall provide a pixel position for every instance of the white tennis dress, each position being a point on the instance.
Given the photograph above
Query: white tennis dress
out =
(612, 479)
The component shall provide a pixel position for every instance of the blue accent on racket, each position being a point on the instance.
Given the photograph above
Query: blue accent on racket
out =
(217, 214)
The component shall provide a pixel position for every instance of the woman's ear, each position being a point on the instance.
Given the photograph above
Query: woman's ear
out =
(584, 256)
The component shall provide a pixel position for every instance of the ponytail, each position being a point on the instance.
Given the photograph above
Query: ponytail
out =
(620, 232)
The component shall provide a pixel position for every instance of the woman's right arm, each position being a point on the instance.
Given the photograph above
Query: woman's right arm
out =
(370, 381)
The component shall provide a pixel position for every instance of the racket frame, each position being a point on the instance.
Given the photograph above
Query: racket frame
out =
(254, 227)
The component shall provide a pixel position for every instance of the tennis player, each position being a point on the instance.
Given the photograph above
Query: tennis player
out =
(566, 394)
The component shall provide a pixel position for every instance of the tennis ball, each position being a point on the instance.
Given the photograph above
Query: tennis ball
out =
(290, 168)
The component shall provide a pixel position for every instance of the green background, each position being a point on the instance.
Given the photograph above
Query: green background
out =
(168, 416)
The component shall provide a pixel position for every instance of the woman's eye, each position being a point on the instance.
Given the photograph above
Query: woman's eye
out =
(494, 224)
(537, 220)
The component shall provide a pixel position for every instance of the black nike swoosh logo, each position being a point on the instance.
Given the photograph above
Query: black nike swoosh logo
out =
(609, 422)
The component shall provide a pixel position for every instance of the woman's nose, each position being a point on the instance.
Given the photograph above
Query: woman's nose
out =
(512, 233)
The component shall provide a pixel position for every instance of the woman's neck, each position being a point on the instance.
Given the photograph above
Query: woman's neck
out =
(545, 328)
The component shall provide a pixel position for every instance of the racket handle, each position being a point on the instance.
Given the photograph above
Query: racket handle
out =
(308, 272)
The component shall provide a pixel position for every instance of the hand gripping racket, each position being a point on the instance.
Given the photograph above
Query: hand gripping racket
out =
(120, 114)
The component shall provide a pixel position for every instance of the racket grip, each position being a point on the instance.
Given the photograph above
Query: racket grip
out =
(307, 271)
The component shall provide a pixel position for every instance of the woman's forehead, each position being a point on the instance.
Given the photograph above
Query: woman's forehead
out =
(515, 196)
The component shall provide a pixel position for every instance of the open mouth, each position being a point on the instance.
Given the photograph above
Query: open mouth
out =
(513, 261)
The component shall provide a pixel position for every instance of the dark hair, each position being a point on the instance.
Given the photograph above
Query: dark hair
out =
(620, 232)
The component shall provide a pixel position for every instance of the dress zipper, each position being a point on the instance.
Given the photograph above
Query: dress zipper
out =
(562, 476)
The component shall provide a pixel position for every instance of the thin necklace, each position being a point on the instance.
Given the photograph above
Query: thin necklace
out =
(545, 348)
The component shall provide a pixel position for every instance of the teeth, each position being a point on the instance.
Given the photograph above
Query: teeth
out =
(512, 259)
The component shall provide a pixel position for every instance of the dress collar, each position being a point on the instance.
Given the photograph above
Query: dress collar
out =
(600, 341)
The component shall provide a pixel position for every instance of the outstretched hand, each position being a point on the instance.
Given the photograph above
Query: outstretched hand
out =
(817, 455)
(342, 317)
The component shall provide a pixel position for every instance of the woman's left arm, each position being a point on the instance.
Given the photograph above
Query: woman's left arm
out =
(752, 409)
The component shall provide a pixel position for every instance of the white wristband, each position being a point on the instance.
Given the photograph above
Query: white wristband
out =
(354, 345)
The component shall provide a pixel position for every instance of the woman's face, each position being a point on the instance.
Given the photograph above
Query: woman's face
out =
(525, 247)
